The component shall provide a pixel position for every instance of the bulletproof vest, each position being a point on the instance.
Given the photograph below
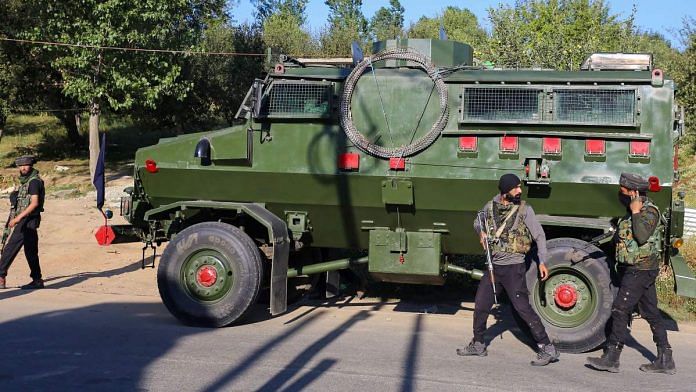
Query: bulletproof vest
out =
(628, 251)
(24, 198)
(515, 237)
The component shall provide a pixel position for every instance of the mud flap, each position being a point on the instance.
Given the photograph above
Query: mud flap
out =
(684, 280)
(278, 236)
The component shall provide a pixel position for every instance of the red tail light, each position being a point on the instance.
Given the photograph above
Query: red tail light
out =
(349, 161)
(508, 144)
(397, 163)
(595, 147)
(151, 166)
(654, 184)
(468, 143)
(551, 145)
(639, 148)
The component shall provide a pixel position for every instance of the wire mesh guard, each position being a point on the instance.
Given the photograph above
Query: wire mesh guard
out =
(600, 106)
(303, 99)
(501, 104)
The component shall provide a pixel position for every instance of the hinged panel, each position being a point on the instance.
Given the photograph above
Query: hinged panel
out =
(397, 191)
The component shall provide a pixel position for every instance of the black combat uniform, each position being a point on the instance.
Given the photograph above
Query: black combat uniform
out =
(24, 234)
(514, 226)
(638, 246)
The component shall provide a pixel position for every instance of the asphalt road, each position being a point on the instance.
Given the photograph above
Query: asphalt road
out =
(66, 339)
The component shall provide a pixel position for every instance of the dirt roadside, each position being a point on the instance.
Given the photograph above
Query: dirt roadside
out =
(70, 256)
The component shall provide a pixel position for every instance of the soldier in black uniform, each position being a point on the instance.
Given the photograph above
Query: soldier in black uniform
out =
(512, 225)
(25, 218)
(638, 247)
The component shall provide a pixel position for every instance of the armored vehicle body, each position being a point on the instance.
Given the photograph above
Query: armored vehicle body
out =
(382, 164)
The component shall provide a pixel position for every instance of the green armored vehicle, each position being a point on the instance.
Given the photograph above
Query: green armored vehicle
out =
(382, 163)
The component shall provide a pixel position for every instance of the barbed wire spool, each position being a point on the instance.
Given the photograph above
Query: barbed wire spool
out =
(414, 147)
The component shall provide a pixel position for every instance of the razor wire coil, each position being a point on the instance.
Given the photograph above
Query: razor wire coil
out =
(414, 147)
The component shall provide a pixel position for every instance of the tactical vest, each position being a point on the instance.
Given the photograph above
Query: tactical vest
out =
(24, 198)
(515, 237)
(628, 251)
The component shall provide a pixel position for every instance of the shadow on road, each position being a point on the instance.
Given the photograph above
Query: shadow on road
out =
(55, 282)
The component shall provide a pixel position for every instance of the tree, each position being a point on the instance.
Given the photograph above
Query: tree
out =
(118, 80)
(460, 24)
(388, 23)
(283, 32)
(556, 34)
(346, 24)
(685, 77)
(267, 8)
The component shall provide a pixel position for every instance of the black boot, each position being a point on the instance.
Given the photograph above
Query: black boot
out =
(609, 360)
(35, 284)
(662, 364)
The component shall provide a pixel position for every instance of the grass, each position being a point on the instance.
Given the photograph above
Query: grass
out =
(45, 137)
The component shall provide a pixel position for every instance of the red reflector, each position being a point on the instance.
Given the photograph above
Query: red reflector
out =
(551, 145)
(397, 163)
(105, 235)
(595, 146)
(508, 143)
(151, 166)
(468, 143)
(640, 148)
(654, 184)
(349, 161)
(675, 164)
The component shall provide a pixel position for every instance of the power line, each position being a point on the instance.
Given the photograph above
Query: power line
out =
(117, 48)
(19, 110)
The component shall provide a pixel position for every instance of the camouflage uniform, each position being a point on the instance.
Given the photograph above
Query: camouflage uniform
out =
(638, 255)
(639, 261)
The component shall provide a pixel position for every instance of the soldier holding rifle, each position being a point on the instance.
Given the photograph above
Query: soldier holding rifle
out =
(507, 227)
(25, 216)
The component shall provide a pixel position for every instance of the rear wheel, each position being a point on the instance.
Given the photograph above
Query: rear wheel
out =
(574, 303)
(210, 274)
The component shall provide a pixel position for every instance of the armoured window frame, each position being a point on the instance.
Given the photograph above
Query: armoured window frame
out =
(328, 97)
(547, 106)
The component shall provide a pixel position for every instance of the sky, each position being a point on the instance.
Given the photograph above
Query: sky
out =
(662, 16)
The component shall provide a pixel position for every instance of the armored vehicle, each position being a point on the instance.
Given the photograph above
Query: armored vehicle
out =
(382, 162)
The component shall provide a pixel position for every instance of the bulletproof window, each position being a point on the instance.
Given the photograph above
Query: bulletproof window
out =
(298, 99)
(595, 106)
(501, 104)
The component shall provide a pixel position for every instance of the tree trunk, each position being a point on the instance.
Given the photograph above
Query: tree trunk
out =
(71, 127)
(94, 113)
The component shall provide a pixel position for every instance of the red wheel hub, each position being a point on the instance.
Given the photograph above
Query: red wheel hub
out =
(565, 296)
(206, 276)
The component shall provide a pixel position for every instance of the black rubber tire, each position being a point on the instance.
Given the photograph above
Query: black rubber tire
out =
(239, 254)
(594, 267)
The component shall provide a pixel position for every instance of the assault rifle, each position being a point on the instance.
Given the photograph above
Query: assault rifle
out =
(8, 230)
(483, 224)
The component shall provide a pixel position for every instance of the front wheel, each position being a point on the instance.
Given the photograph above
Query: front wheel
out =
(210, 274)
(575, 302)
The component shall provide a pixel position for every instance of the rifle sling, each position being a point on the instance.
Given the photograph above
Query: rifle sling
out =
(505, 221)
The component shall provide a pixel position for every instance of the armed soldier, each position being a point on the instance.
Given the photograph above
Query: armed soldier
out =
(25, 218)
(638, 248)
(508, 225)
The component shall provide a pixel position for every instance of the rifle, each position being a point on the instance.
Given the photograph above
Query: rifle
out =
(8, 230)
(489, 260)
(577, 256)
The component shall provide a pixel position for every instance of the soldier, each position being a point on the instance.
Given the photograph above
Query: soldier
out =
(638, 248)
(25, 218)
(512, 226)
